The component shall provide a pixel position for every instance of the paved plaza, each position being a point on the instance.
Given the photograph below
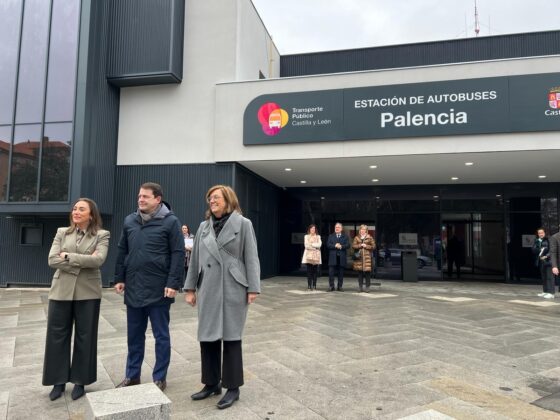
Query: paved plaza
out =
(427, 350)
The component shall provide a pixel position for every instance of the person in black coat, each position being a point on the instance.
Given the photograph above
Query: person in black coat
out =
(150, 271)
(541, 252)
(337, 244)
(455, 255)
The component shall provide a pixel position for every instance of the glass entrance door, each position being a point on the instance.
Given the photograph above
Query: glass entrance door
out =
(474, 246)
(419, 232)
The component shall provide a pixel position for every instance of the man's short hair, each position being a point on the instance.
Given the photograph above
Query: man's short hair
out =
(155, 188)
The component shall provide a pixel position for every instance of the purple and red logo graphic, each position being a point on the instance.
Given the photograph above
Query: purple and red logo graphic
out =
(272, 118)
(554, 98)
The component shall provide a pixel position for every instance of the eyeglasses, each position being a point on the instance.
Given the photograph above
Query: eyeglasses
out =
(214, 197)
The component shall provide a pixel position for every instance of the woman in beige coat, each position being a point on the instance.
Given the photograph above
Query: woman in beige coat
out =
(77, 253)
(312, 256)
(363, 246)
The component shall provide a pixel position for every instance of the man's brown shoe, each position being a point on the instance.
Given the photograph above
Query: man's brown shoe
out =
(161, 385)
(128, 382)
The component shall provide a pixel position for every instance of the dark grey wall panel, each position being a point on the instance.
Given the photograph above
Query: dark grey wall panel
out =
(422, 54)
(184, 188)
(97, 127)
(146, 42)
(26, 265)
(259, 201)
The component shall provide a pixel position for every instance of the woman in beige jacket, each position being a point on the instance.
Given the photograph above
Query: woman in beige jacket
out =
(77, 253)
(312, 256)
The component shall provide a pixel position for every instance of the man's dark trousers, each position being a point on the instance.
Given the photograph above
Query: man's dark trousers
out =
(339, 265)
(137, 322)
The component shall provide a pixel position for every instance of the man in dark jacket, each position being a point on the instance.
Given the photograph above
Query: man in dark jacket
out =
(541, 251)
(337, 244)
(149, 270)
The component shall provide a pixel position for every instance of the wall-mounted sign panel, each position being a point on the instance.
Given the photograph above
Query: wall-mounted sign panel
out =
(455, 107)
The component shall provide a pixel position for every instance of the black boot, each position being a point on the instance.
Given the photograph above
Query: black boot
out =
(78, 392)
(207, 391)
(231, 396)
(57, 391)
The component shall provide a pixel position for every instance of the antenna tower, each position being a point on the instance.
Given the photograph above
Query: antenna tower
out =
(476, 21)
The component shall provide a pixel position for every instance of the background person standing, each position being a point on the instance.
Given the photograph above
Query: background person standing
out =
(337, 244)
(363, 244)
(188, 237)
(541, 252)
(312, 255)
(150, 270)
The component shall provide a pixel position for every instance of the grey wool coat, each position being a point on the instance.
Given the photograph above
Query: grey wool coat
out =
(222, 271)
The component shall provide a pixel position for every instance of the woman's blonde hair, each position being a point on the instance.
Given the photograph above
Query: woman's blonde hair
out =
(232, 202)
(363, 227)
(95, 222)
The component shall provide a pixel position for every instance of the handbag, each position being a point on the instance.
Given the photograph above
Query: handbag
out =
(313, 256)
(357, 255)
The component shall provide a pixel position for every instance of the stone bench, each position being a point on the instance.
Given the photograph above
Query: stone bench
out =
(139, 402)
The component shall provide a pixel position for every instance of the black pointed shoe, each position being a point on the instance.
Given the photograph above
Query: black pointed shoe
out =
(227, 400)
(207, 391)
(78, 392)
(57, 391)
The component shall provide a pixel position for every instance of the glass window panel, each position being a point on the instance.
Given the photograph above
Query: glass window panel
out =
(5, 141)
(25, 161)
(62, 61)
(55, 165)
(32, 69)
(10, 17)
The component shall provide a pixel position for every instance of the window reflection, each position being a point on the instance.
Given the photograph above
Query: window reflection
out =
(31, 85)
(10, 16)
(25, 161)
(55, 164)
(62, 61)
(5, 134)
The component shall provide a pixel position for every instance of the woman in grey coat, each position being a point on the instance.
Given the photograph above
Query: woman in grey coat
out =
(224, 278)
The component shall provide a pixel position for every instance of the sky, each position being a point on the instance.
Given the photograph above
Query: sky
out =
(299, 26)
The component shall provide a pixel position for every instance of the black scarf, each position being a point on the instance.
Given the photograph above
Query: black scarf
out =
(218, 224)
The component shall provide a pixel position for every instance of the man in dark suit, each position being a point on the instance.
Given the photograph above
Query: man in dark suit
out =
(555, 254)
(337, 244)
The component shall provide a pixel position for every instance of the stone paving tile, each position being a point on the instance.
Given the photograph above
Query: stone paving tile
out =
(462, 410)
(430, 414)
(324, 355)
(7, 351)
(8, 320)
(506, 406)
(526, 348)
(4, 398)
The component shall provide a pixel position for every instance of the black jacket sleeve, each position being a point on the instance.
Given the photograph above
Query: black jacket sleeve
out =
(176, 276)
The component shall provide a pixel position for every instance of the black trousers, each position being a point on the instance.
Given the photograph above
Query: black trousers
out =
(339, 267)
(230, 371)
(450, 261)
(83, 316)
(361, 275)
(547, 278)
(312, 275)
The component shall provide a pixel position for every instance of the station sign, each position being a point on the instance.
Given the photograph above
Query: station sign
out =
(445, 108)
